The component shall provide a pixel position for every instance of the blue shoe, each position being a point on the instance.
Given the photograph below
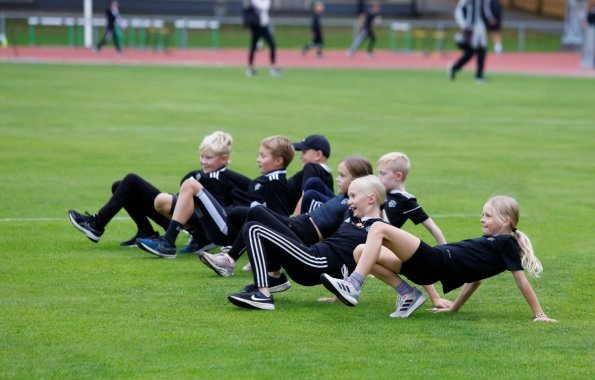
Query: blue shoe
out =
(131, 243)
(159, 247)
(194, 246)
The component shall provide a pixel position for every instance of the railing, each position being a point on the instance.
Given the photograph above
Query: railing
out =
(143, 32)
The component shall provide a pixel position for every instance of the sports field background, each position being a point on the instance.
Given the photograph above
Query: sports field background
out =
(73, 309)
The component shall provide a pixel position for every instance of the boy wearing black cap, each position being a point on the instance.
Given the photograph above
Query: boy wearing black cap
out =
(316, 150)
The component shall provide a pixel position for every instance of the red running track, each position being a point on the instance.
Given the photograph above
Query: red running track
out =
(553, 64)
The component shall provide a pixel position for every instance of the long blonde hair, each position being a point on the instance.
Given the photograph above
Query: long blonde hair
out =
(506, 209)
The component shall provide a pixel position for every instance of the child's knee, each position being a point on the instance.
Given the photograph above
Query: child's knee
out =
(163, 203)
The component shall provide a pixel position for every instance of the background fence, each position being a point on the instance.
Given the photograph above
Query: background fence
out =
(160, 33)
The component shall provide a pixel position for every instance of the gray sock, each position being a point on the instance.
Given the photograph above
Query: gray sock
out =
(404, 287)
(357, 280)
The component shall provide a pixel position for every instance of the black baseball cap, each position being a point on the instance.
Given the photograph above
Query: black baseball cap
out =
(316, 142)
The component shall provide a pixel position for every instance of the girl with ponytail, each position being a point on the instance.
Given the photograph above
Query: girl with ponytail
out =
(390, 251)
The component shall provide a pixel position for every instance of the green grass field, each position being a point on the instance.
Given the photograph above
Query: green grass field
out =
(73, 309)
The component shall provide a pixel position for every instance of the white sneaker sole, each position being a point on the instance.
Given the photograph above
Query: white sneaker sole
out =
(280, 288)
(347, 299)
(241, 302)
(155, 252)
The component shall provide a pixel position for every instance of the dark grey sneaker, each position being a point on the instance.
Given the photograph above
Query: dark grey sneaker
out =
(278, 284)
(86, 224)
(131, 243)
(159, 247)
(252, 298)
(195, 245)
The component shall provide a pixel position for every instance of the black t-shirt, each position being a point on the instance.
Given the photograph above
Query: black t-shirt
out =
(295, 185)
(369, 21)
(220, 183)
(591, 16)
(400, 206)
(315, 24)
(476, 259)
(269, 190)
(338, 248)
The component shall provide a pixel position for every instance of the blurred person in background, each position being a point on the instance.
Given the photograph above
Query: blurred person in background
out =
(473, 37)
(258, 30)
(113, 19)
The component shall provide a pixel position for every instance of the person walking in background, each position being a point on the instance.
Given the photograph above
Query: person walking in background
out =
(493, 17)
(360, 8)
(258, 30)
(367, 22)
(113, 19)
(473, 37)
(316, 29)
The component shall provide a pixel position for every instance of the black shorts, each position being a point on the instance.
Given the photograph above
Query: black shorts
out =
(425, 266)
(494, 27)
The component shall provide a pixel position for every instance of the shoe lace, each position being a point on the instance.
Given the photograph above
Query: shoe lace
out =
(250, 288)
(345, 272)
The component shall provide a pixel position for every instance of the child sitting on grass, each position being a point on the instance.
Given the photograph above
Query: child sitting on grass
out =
(275, 153)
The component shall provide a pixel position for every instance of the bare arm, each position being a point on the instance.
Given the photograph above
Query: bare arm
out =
(434, 230)
(435, 297)
(529, 294)
(464, 295)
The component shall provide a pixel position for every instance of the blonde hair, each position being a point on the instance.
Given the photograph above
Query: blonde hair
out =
(506, 209)
(357, 166)
(280, 146)
(218, 143)
(397, 162)
(371, 184)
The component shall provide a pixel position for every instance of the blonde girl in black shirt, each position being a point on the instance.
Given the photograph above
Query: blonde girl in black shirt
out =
(389, 250)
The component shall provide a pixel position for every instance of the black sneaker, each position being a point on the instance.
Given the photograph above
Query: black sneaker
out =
(159, 247)
(252, 298)
(195, 245)
(452, 73)
(131, 243)
(278, 284)
(86, 224)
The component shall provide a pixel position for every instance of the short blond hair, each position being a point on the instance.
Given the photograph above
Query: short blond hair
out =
(218, 143)
(371, 184)
(280, 146)
(397, 162)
